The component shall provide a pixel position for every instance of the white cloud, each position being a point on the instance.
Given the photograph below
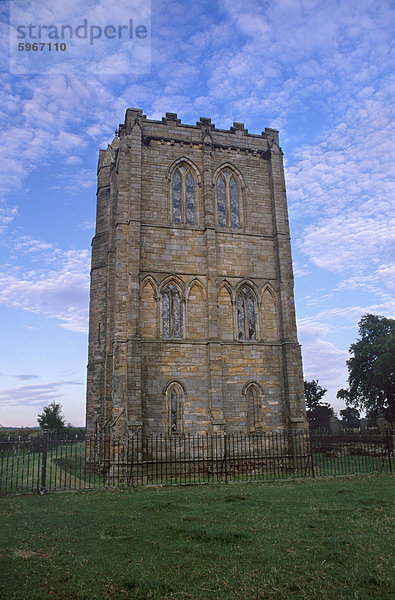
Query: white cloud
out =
(26, 243)
(387, 276)
(344, 182)
(7, 215)
(39, 394)
(41, 120)
(72, 160)
(91, 49)
(352, 242)
(83, 179)
(88, 226)
(350, 167)
(300, 270)
(264, 60)
(352, 314)
(59, 290)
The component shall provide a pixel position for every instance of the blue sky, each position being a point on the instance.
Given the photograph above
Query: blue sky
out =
(320, 71)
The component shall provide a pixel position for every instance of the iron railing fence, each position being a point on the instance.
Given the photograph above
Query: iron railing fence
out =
(52, 463)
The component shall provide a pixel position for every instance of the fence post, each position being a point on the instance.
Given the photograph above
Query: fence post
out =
(311, 454)
(225, 461)
(43, 489)
(389, 444)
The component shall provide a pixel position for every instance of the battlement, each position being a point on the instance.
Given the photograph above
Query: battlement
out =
(170, 126)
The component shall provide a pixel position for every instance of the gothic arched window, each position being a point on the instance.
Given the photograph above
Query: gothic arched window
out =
(183, 195)
(174, 420)
(228, 201)
(246, 314)
(251, 408)
(175, 401)
(171, 312)
(253, 405)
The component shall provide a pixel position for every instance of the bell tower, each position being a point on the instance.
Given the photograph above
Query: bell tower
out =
(192, 321)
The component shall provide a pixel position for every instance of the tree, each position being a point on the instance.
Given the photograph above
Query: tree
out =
(313, 393)
(371, 376)
(51, 417)
(318, 413)
(350, 417)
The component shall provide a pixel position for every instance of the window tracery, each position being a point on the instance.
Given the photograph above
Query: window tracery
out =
(171, 312)
(228, 200)
(246, 314)
(183, 195)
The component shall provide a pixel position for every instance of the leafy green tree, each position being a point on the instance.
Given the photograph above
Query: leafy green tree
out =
(52, 418)
(371, 418)
(313, 393)
(350, 417)
(318, 413)
(371, 368)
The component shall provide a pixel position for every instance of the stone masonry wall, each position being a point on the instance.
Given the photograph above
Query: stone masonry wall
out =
(208, 379)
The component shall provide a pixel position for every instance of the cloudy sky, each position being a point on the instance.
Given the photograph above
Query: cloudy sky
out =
(317, 70)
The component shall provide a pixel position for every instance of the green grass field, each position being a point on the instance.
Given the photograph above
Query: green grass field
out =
(324, 539)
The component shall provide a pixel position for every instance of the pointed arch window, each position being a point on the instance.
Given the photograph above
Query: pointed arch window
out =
(171, 312)
(228, 200)
(183, 195)
(174, 420)
(175, 402)
(254, 409)
(246, 314)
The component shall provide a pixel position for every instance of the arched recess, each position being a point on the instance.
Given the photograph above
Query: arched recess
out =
(177, 281)
(184, 191)
(247, 312)
(148, 308)
(196, 310)
(229, 190)
(175, 396)
(225, 312)
(253, 398)
(172, 308)
(270, 327)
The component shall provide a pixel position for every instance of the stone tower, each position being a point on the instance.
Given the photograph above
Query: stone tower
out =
(192, 322)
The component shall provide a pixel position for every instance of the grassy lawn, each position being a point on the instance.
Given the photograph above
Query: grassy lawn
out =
(349, 465)
(324, 539)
